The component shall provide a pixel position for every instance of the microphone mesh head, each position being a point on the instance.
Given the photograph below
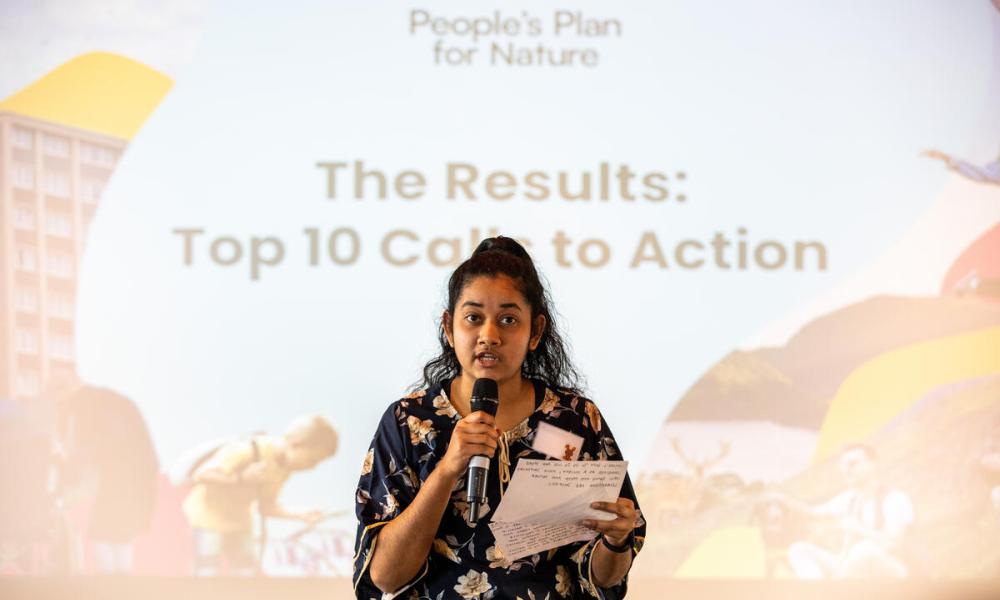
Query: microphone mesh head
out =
(485, 396)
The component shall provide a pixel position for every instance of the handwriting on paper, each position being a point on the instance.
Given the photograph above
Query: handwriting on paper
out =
(547, 499)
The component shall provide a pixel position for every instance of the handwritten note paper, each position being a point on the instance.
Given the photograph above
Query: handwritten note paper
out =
(546, 499)
(517, 540)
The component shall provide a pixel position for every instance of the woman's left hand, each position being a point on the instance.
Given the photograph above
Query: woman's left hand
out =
(618, 529)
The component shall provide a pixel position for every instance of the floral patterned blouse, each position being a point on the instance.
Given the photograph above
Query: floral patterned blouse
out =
(464, 563)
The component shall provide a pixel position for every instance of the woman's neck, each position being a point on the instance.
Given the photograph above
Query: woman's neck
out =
(517, 399)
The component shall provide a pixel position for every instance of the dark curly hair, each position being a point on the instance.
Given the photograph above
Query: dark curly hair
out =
(549, 361)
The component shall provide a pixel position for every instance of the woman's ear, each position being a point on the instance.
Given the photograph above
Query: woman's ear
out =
(537, 329)
(446, 326)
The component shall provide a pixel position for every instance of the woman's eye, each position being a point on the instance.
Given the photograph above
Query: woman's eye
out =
(508, 320)
(472, 318)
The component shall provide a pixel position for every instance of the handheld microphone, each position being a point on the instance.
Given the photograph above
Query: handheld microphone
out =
(485, 398)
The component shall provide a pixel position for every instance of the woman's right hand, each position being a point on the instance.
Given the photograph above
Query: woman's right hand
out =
(476, 434)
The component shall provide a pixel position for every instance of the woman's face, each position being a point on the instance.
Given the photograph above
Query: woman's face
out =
(491, 330)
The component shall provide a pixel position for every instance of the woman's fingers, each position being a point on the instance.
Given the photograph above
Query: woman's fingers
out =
(621, 525)
(477, 442)
(481, 417)
(622, 508)
(472, 439)
(477, 432)
(477, 428)
(610, 527)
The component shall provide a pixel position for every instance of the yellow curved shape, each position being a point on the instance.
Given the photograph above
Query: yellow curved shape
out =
(883, 387)
(727, 552)
(99, 91)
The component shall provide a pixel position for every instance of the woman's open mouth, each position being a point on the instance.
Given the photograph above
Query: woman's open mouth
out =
(487, 359)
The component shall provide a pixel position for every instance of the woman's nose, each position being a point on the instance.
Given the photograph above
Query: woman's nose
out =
(488, 333)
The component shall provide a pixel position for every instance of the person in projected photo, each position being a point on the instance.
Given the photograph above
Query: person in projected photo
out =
(871, 522)
(414, 535)
(107, 469)
(780, 527)
(241, 474)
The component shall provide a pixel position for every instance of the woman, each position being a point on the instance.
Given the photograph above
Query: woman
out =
(414, 537)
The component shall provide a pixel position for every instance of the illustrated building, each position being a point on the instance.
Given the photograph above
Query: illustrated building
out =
(51, 178)
(60, 140)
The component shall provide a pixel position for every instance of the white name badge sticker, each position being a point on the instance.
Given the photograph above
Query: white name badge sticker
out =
(557, 443)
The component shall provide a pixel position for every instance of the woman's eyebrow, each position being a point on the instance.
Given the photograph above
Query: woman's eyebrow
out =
(480, 304)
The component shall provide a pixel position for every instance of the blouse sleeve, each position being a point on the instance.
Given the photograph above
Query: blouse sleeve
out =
(600, 444)
(387, 486)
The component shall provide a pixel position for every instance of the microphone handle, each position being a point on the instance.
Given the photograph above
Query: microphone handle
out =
(475, 488)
